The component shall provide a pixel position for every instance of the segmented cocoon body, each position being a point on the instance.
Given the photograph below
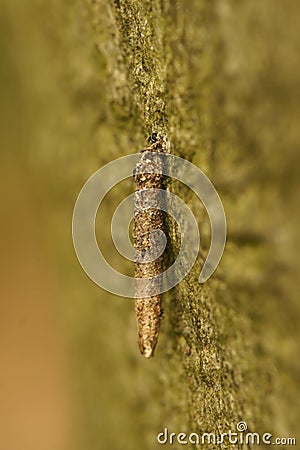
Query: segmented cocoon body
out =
(147, 220)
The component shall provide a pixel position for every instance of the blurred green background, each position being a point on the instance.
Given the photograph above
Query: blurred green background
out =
(71, 376)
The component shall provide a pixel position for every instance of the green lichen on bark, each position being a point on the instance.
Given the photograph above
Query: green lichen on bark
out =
(195, 73)
(171, 71)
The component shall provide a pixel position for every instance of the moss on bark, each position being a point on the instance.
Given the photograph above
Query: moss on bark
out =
(211, 77)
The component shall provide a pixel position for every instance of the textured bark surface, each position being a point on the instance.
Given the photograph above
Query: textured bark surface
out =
(91, 82)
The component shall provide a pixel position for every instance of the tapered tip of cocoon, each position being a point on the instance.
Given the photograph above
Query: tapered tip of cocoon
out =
(148, 352)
